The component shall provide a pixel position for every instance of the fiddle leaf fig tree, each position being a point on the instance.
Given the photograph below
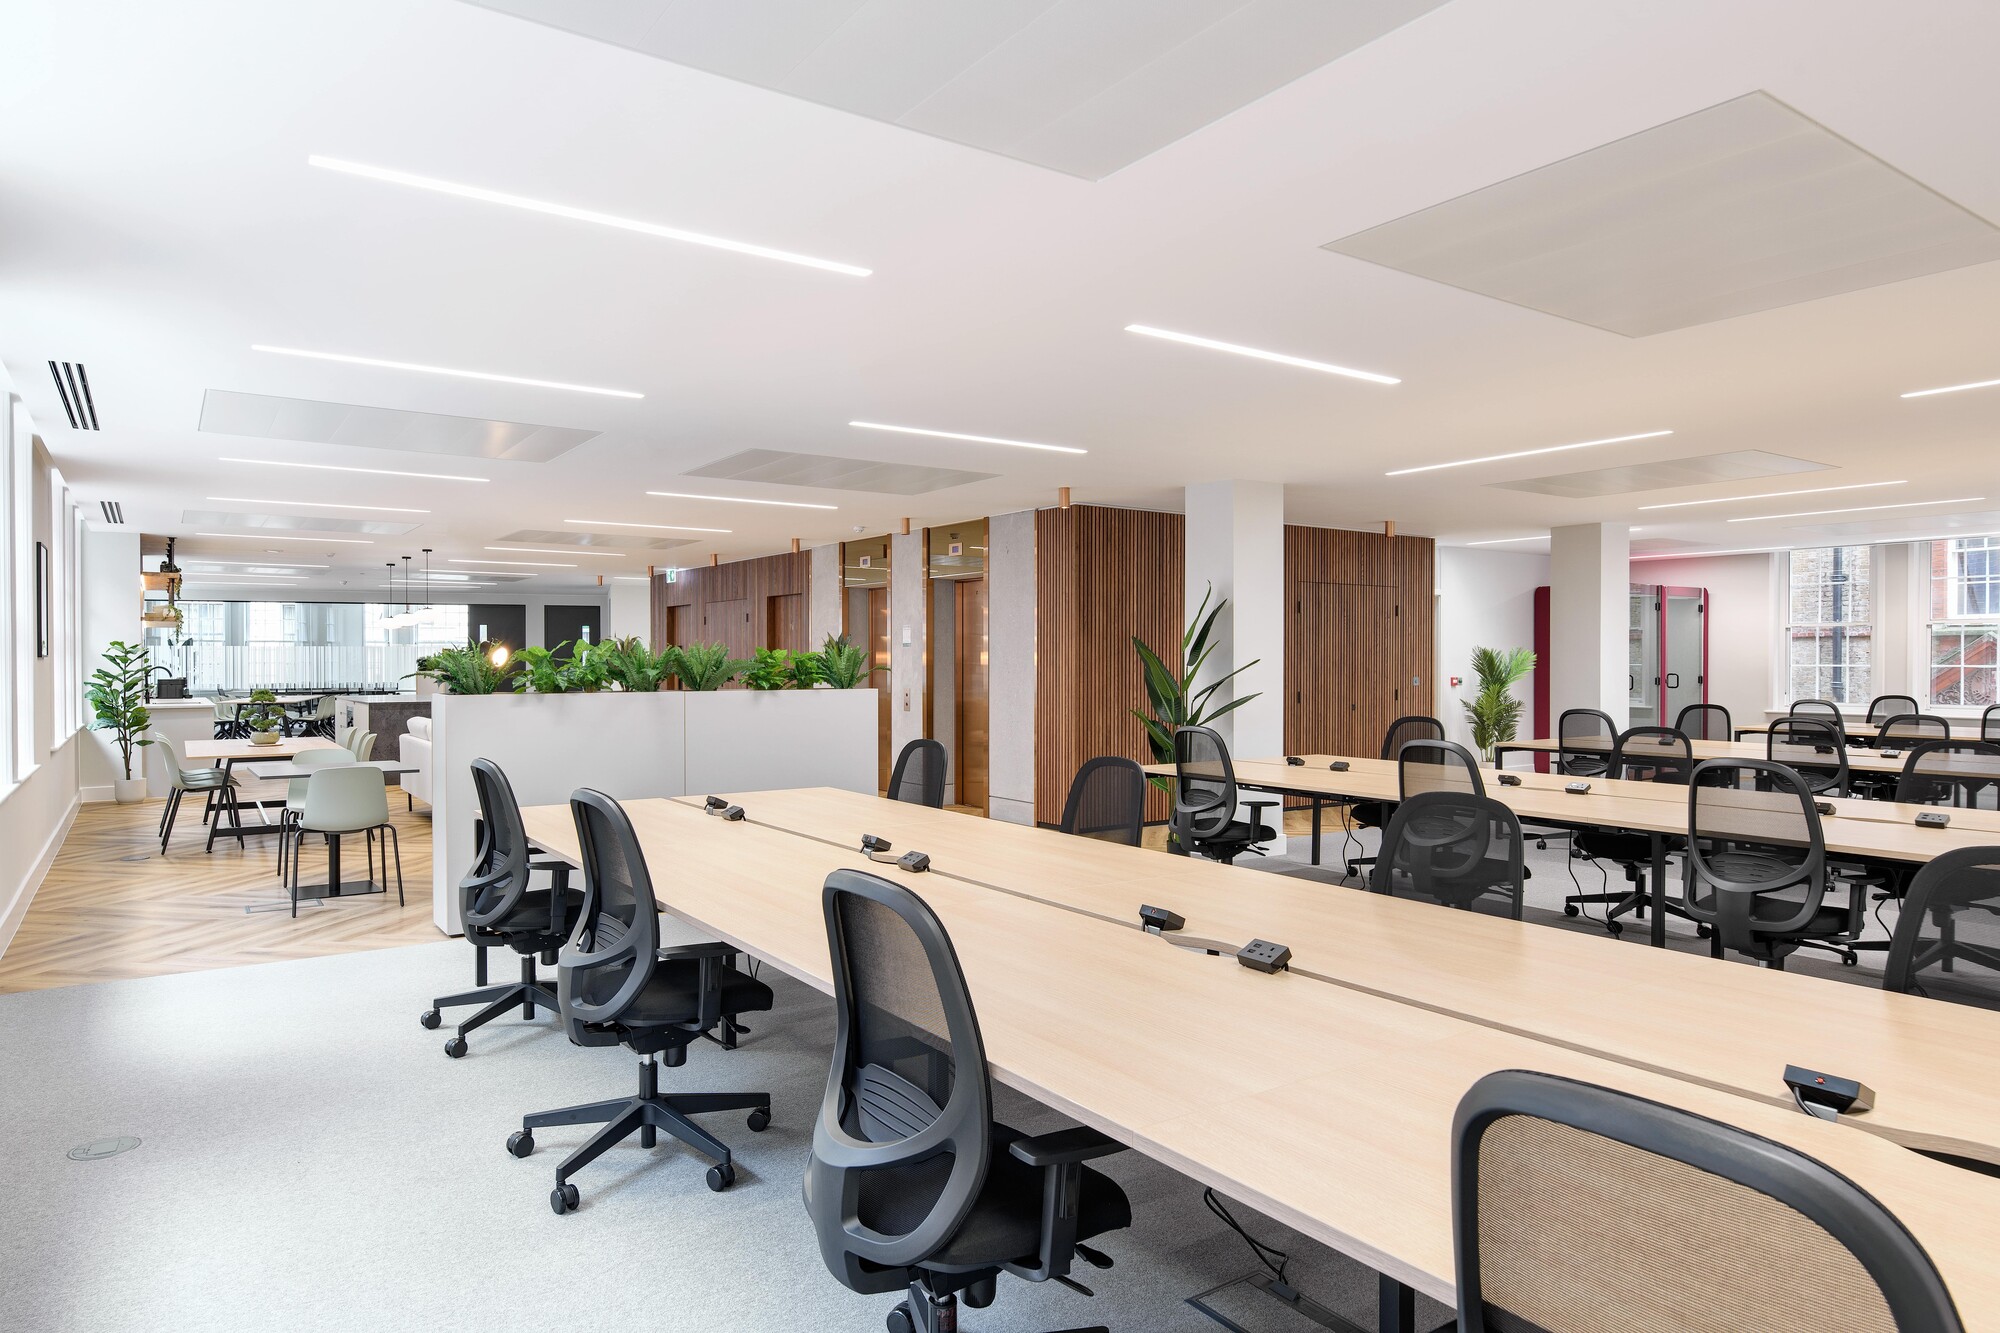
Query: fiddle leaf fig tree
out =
(117, 695)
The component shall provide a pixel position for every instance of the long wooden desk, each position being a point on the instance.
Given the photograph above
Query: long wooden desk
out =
(1859, 759)
(1323, 1105)
(226, 755)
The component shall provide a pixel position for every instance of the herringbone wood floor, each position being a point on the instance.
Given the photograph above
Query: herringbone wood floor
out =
(113, 907)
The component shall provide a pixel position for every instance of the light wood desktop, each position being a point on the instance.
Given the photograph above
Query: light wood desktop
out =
(253, 788)
(1859, 760)
(1325, 1106)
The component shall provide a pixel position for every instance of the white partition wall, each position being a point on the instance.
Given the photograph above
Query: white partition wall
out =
(635, 745)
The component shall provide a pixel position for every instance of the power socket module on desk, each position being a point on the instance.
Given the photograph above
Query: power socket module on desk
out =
(1264, 956)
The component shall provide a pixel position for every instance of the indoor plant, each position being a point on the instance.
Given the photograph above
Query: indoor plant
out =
(633, 666)
(844, 664)
(477, 668)
(541, 671)
(263, 716)
(706, 666)
(1171, 694)
(783, 669)
(117, 695)
(1494, 712)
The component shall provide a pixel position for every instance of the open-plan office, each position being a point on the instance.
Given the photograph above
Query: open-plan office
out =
(1006, 666)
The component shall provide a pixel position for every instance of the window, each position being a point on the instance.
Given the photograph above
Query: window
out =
(1963, 627)
(302, 645)
(1830, 632)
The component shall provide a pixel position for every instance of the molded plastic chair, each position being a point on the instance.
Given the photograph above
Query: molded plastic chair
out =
(342, 800)
(362, 744)
(295, 795)
(918, 777)
(1107, 801)
(1557, 1184)
(181, 780)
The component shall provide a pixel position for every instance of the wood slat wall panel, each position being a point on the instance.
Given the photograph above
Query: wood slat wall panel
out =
(1102, 575)
(1317, 716)
(752, 582)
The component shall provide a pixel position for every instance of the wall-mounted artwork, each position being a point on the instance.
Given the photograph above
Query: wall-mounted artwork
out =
(41, 600)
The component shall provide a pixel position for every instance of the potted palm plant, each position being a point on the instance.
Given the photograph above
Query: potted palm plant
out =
(1495, 711)
(117, 695)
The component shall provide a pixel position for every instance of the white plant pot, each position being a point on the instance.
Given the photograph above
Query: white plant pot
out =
(426, 687)
(263, 738)
(128, 790)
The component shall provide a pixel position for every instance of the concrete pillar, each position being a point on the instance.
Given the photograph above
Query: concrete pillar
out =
(1589, 617)
(823, 597)
(1010, 657)
(908, 674)
(1236, 542)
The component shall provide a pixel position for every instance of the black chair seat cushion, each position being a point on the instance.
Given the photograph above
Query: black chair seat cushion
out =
(1373, 814)
(673, 995)
(1236, 831)
(530, 916)
(1005, 1224)
(1624, 848)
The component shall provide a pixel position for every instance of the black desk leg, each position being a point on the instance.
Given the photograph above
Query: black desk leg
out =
(1316, 810)
(1659, 890)
(1395, 1306)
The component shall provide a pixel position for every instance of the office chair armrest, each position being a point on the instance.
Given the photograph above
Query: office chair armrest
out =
(1064, 1146)
(705, 949)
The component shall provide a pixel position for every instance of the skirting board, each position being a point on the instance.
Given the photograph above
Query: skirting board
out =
(17, 911)
(98, 794)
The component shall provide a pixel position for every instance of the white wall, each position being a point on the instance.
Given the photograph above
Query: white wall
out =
(1744, 606)
(1485, 599)
(630, 613)
(1010, 665)
(110, 613)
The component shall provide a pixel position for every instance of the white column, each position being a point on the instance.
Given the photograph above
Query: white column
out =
(631, 611)
(1236, 542)
(1010, 638)
(908, 672)
(1589, 616)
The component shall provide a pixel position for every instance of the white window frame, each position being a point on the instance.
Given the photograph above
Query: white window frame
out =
(1923, 625)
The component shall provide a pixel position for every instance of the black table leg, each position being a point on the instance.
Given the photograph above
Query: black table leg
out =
(1659, 890)
(1316, 809)
(1395, 1306)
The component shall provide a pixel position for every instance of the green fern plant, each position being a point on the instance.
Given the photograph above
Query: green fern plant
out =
(1495, 711)
(1171, 693)
(631, 665)
(844, 663)
(706, 666)
(540, 671)
(467, 670)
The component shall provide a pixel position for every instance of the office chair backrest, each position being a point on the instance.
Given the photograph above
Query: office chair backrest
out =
(1403, 730)
(1557, 1184)
(1885, 706)
(1956, 773)
(343, 798)
(1989, 723)
(1446, 766)
(1915, 727)
(1813, 746)
(919, 774)
(1586, 738)
(1652, 754)
(1753, 830)
(1705, 722)
(492, 888)
(1107, 801)
(900, 1147)
(1204, 785)
(1820, 710)
(1451, 846)
(1947, 940)
(610, 956)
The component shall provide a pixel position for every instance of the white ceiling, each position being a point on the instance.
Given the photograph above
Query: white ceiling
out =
(158, 218)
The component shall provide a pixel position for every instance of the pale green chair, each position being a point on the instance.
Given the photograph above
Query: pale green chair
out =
(362, 744)
(295, 796)
(343, 799)
(182, 780)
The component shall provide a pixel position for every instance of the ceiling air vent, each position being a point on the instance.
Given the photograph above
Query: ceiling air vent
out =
(113, 511)
(73, 387)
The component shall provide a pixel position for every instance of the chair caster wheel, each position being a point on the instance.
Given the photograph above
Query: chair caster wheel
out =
(430, 1019)
(1614, 929)
(520, 1143)
(1570, 909)
(760, 1120)
(1850, 961)
(455, 1047)
(1703, 932)
(721, 1176)
(563, 1199)
(899, 1320)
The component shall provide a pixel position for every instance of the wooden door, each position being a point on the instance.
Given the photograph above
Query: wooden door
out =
(1350, 665)
(785, 621)
(728, 623)
(972, 711)
(878, 655)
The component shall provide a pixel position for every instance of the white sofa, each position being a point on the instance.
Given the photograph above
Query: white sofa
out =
(414, 748)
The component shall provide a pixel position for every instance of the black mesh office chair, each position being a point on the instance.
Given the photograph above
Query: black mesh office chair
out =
(1585, 738)
(1453, 847)
(1202, 820)
(1755, 868)
(501, 911)
(1556, 1184)
(1705, 722)
(912, 1185)
(918, 776)
(1427, 766)
(1814, 748)
(1989, 723)
(1961, 774)
(1947, 941)
(1377, 814)
(1885, 706)
(1643, 754)
(1821, 710)
(1107, 801)
(615, 986)
(1910, 728)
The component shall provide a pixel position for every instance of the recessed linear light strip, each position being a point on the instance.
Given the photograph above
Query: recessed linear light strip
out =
(268, 564)
(976, 439)
(444, 370)
(543, 550)
(486, 196)
(663, 527)
(735, 500)
(332, 467)
(272, 537)
(312, 504)
(1773, 550)
(1503, 541)
(536, 564)
(1775, 495)
(1258, 353)
(1529, 453)
(1860, 509)
(1954, 388)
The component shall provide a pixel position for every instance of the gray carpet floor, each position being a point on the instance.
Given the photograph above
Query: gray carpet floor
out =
(310, 1160)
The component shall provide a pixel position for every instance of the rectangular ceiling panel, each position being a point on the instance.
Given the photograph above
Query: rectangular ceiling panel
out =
(1662, 473)
(1744, 206)
(844, 474)
(312, 422)
(210, 518)
(600, 540)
